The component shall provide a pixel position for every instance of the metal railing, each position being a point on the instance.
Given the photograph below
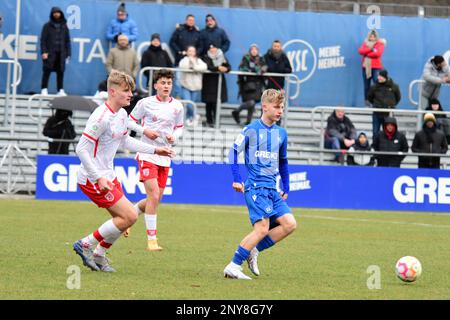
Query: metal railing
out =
(8, 85)
(328, 109)
(347, 152)
(393, 8)
(289, 77)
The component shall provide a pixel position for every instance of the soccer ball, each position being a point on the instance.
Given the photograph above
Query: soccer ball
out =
(408, 269)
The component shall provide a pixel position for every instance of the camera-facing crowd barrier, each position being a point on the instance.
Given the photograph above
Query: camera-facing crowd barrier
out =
(338, 187)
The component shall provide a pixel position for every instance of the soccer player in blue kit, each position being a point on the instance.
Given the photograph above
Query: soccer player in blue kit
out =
(265, 147)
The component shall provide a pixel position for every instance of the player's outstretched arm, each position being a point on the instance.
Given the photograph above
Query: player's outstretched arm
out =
(135, 145)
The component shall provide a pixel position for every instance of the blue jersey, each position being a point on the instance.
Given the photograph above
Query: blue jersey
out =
(265, 148)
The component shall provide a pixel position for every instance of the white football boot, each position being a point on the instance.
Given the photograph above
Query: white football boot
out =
(234, 271)
(252, 261)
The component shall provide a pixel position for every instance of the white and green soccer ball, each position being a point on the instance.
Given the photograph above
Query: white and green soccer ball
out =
(408, 269)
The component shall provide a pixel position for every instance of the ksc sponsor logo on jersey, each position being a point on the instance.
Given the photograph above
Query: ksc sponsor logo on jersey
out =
(422, 190)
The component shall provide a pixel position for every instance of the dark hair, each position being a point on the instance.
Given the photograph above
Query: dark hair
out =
(163, 73)
(438, 59)
(434, 101)
(276, 41)
(190, 15)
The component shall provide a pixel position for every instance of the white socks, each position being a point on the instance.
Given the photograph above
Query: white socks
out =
(108, 230)
(150, 222)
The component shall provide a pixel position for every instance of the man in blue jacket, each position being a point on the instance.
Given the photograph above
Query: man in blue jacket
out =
(212, 34)
(122, 24)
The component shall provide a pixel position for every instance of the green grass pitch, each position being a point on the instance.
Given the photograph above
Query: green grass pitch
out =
(326, 258)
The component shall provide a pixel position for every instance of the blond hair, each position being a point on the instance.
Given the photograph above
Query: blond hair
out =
(117, 78)
(272, 96)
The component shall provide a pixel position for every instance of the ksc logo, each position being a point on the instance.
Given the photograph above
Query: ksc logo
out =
(302, 57)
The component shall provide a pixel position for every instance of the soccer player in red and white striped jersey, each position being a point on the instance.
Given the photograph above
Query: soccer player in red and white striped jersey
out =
(159, 119)
(105, 132)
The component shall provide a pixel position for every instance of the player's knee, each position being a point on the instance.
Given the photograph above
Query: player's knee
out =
(131, 218)
(291, 225)
(153, 196)
(262, 231)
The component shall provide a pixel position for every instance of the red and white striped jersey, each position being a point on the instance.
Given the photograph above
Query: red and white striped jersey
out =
(159, 116)
(107, 129)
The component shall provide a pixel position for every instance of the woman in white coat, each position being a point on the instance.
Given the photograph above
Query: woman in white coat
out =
(191, 82)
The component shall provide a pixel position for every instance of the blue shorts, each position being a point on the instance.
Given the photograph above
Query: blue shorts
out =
(265, 203)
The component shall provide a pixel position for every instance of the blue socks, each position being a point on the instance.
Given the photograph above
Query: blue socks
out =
(240, 255)
(265, 243)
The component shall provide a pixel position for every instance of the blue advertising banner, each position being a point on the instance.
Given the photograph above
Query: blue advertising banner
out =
(322, 47)
(339, 187)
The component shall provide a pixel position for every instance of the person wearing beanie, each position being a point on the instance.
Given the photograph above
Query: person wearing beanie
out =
(429, 140)
(155, 56)
(250, 87)
(390, 140)
(371, 51)
(122, 58)
(384, 94)
(55, 50)
(361, 144)
(435, 72)
(122, 24)
(213, 34)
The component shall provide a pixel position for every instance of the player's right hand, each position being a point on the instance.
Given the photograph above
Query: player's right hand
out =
(151, 134)
(165, 151)
(105, 184)
(44, 56)
(238, 187)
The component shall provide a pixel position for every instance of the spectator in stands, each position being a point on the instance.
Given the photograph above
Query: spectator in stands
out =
(442, 122)
(155, 56)
(384, 94)
(122, 58)
(55, 50)
(429, 140)
(361, 144)
(371, 50)
(390, 140)
(59, 126)
(250, 87)
(184, 36)
(340, 133)
(212, 34)
(191, 82)
(277, 62)
(435, 73)
(122, 24)
(216, 62)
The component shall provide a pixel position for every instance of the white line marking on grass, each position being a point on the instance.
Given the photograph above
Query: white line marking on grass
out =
(226, 209)
(419, 224)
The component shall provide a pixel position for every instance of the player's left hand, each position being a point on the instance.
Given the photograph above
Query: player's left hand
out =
(165, 151)
(170, 139)
(238, 187)
(283, 195)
